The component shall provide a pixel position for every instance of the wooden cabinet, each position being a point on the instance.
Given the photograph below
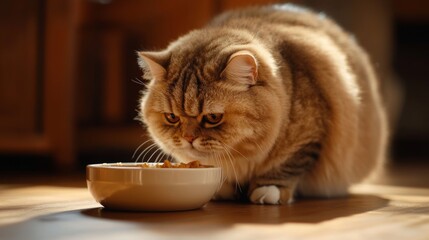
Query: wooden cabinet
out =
(37, 77)
(19, 76)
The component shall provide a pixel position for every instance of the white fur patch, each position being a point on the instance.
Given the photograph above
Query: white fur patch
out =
(266, 195)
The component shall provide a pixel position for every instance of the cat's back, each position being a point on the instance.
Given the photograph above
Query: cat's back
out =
(281, 15)
(274, 24)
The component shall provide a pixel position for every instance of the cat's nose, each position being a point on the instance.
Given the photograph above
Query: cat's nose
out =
(189, 138)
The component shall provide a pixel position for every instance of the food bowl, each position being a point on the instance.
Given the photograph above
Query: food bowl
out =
(131, 186)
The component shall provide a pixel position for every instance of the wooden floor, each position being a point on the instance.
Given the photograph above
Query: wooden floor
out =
(396, 206)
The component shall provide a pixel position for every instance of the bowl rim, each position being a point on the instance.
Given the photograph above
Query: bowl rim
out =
(133, 166)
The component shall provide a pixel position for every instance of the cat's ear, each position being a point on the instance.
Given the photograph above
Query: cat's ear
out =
(242, 67)
(152, 64)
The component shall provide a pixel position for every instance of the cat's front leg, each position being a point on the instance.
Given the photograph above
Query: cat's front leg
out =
(278, 185)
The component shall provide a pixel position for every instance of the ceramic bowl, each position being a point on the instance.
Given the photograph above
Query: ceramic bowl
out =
(129, 186)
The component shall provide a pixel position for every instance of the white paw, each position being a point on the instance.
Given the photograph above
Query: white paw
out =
(266, 195)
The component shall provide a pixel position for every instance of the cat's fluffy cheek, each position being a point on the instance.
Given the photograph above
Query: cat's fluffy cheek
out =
(242, 133)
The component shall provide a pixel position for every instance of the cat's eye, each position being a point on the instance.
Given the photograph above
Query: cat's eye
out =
(171, 118)
(213, 118)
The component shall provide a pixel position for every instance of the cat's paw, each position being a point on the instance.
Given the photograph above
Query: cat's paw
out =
(266, 195)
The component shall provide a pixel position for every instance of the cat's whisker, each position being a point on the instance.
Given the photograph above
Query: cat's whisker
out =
(143, 154)
(165, 157)
(157, 151)
(259, 146)
(229, 147)
(230, 155)
(217, 161)
(230, 158)
(224, 175)
(170, 155)
(160, 156)
(213, 156)
(144, 151)
(222, 156)
(141, 145)
(139, 81)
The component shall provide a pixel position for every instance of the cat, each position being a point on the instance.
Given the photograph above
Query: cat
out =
(280, 97)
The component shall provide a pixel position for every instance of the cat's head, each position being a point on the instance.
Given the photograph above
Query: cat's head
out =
(212, 95)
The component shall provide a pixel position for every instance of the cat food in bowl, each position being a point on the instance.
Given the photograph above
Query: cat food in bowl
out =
(153, 186)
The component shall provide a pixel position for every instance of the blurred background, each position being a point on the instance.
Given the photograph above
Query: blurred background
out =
(68, 91)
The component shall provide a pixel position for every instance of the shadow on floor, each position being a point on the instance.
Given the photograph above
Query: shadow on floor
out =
(214, 218)
(225, 213)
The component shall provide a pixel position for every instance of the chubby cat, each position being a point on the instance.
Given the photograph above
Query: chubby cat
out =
(281, 98)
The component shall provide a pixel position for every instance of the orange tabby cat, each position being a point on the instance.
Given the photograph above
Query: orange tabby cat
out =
(281, 98)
